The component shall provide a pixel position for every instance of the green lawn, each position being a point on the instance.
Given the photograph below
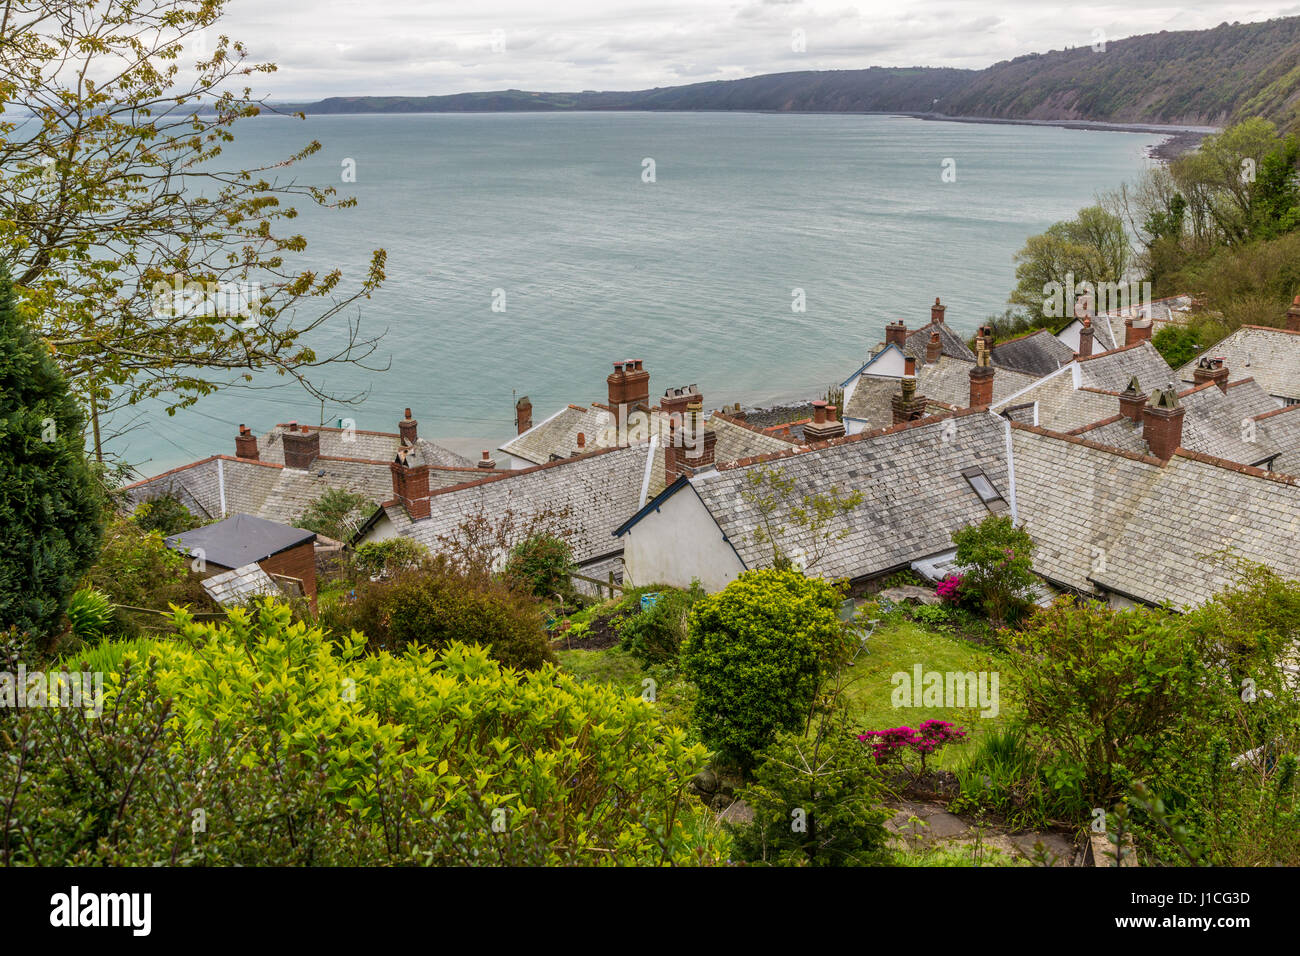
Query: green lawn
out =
(894, 648)
(898, 648)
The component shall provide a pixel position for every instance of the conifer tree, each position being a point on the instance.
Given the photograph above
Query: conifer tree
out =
(49, 501)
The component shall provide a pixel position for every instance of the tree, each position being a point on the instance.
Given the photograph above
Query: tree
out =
(1177, 344)
(50, 505)
(813, 518)
(165, 514)
(758, 651)
(1217, 180)
(542, 564)
(152, 269)
(1275, 198)
(1091, 248)
(996, 560)
(337, 514)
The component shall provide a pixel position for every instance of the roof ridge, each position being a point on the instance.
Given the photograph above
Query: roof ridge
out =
(1276, 411)
(1117, 349)
(1263, 328)
(195, 464)
(1236, 466)
(1097, 446)
(517, 472)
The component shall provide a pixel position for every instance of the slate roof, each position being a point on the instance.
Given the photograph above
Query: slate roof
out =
(915, 495)
(1037, 354)
(945, 383)
(1116, 519)
(239, 540)
(1270, 356)
(557, 436)
(267, 489)
(240, 585)
(735, 441)
(953, 346)
(1087, 390)
(598, 489)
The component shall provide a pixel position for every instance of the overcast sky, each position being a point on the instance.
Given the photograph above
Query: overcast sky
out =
(331, 47)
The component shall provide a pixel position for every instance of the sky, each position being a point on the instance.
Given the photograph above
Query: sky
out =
(410, 47)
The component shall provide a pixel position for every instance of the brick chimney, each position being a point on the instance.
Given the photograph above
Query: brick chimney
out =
(933, 348)
(907, 405)
(406, 427)
(671, 450)
(896, 333)
(1162, 422)
(936, 311)
(487, 461)
(1136, 330)
(246, 444)
(523, 415)
(1211, 370)
(410, 485)
(1293, 316)
(697, 452)
(1085, 338)
(301, 447)
(629, 387)
(825, 424)
(1132, 400)
(981, 378)
(677, 400)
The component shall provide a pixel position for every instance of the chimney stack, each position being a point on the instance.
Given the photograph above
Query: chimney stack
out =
(1085, 338)
(1136, 330)
(896, 333)
(697, 453)
(676, 400)
(907, 405)
(936, 311)
(487, 461)
(1293, 316)
(1162, 422)
(301, 447)
(933, 348)
(410, 485)
(1132, 400)
(629, 388)
(1211, 370)
(406, 427)
(246, 444)
(981, 378)
(523, 415)
(825, 424)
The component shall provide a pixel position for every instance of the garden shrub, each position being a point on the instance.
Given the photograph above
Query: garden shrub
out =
(336, 514)
(136, 568)
(391, 556)
(815, 803)
(655, 635)
(758, 651)
(50, 505)
(996, 559)
(435, 605)
(542, 564)
(165, 514)
(298, 749)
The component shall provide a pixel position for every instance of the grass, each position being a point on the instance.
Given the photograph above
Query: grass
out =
(616, 667)
(899, 647)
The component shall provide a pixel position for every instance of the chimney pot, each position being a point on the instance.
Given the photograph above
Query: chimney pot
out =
(819, 412)
(936, 311)
(582, 440)
(933, 348)
(523, 415)
(486, 461)
(408, 428)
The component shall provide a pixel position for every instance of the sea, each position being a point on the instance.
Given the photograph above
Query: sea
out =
(756, 255)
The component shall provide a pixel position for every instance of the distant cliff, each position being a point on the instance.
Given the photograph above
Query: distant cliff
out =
(1194, 77)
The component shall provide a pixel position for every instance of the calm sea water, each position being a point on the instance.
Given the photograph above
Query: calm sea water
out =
(693, 273)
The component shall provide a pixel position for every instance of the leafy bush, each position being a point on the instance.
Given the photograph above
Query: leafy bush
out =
(1177, 344)
(136, 568)
(542, 565)
(996, 559)
(1005, 775)
(262, 741)
(49, 503)
(336, 514)
(815, 803)
(896, 744)
(934, 616)
(758, 651)
(655, 635)
(435, 605)
(392, 556)
(90, 614)
(166, 515)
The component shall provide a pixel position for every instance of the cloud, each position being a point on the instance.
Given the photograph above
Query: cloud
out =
(359, 47)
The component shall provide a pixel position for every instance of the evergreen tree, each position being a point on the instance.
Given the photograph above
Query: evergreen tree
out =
(49, 501)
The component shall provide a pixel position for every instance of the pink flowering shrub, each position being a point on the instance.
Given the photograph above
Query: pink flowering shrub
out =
(895, 744)
(949, 589)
